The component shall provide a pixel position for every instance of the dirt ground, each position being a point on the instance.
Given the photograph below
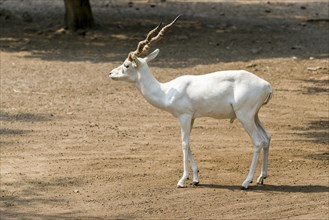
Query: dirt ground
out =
(76, 145)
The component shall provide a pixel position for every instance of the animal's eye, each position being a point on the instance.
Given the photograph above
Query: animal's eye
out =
(126, 65)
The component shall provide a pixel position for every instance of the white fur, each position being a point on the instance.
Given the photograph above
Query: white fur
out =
(222, 95)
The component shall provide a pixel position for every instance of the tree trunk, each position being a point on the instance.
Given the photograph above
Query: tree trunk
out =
(78, 14)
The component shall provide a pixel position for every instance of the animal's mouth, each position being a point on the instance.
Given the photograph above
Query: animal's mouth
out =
(114, 78)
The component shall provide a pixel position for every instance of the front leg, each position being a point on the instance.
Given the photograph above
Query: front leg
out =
(186, 125)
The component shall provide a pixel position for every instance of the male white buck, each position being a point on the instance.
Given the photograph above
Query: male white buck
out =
(222, 95)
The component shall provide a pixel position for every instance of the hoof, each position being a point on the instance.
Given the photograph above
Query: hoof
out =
(195, 183)
(243, 188)
(179, 186)
(260, 182)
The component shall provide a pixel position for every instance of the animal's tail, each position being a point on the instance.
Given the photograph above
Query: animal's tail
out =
(269, 96)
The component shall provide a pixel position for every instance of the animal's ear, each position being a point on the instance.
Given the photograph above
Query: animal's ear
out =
(152, 55)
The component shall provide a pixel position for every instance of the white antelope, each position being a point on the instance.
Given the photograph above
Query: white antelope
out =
(222, 95)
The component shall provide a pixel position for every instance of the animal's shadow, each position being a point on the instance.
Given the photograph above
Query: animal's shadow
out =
(271, 188)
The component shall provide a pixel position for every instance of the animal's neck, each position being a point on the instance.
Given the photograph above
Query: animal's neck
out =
(150, 88)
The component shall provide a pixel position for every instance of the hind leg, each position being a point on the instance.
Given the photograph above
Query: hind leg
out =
(194, 168)
(258, 139)
(252, 169)
(193, 163)
(267, 137)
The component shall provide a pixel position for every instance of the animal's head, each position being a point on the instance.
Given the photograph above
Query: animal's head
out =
(128, 71)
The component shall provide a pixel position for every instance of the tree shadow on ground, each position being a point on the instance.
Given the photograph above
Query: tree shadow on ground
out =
(316, 86)
(317, 131)
(34, 194)
(206, 33)
(24, 117)
(20, 117)
(6, 131)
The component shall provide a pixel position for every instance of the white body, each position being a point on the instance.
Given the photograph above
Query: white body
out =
(222, 95)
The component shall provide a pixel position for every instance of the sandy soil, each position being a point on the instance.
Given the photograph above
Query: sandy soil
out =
(76, 145)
